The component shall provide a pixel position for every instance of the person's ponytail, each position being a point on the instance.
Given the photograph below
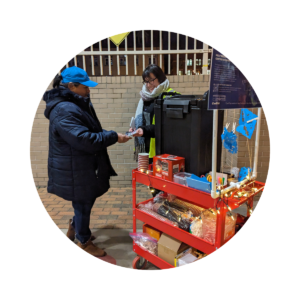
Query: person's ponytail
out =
(56, 81)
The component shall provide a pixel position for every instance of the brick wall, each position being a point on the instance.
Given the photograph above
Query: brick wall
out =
(115, 100)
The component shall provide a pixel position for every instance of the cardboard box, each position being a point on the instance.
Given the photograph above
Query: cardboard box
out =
(166, 165)
(169, 248)
(152, 231)
(188, 256)
(187, 259)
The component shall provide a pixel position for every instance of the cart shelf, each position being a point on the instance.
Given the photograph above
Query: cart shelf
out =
(174, 231)
(190, 195)
(236, 202)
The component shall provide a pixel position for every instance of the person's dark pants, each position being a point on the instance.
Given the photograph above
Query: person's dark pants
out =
(81, 220)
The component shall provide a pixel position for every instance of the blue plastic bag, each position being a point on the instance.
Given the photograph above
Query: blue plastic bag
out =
(244, 172)
(245, 128)
(229, 141)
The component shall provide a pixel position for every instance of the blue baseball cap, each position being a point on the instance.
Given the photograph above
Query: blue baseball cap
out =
(75, 74)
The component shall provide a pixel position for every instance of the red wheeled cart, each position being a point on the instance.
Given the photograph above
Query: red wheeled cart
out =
(189, 195)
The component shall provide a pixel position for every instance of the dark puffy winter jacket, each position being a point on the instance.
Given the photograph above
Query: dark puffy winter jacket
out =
(148, 130)
(78, 165)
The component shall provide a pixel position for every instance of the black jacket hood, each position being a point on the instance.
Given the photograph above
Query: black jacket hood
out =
(61, 94)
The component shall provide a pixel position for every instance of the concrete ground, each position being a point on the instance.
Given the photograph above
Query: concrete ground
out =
(118, 244)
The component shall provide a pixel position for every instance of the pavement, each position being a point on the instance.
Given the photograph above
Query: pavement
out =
(118, 244)
(111, 211)
(111, 220)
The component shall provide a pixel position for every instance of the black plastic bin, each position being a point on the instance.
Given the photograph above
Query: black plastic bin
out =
(184, 127)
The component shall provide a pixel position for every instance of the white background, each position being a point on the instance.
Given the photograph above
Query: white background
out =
(38, 37)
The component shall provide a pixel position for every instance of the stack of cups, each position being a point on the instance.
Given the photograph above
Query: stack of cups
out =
(143, 162)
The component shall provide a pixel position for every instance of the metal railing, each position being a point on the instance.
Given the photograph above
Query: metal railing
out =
(157, 52)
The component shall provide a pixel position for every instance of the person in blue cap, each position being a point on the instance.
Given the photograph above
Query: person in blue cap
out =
(79, 167)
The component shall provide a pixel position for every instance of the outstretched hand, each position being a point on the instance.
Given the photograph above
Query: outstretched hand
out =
(122, 138)
(139, 132)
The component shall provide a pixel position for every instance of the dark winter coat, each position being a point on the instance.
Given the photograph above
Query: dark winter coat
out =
(148, 113)
(78, 165)
(149, 131)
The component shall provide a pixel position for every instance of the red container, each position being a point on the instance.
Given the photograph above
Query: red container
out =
(166, 165)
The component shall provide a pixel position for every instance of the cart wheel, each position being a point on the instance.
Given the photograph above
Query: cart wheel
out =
(137, 264)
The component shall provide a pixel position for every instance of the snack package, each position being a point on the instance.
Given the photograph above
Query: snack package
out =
(183, 212)
(230, 226)
(159, 197)
(196, 228)
(145, 241)
(156, 206)
(175, 216)
(176, 206)
(210, 224)
(148, 205)
(171, 197)
(195, 210)
(157, 216)
(179, 209)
